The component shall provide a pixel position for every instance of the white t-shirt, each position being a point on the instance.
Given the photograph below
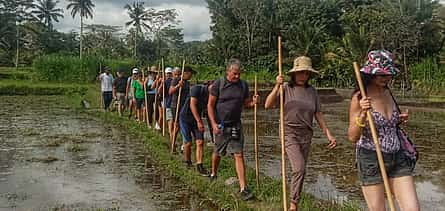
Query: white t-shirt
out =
(106, 82)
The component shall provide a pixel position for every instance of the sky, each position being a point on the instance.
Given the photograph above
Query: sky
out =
(193, 15)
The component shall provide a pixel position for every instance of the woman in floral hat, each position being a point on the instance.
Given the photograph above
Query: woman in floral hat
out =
(301, 105)
(377, 74)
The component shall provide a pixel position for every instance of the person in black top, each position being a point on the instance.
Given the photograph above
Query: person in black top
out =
(120, 89)
(227, 98)
(174, 92)
(191, 124)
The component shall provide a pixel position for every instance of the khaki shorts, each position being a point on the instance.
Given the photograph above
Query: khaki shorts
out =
(168, 114)
(231, 141)
(121, 98)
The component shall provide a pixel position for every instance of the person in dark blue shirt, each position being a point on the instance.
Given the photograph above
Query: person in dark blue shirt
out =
(191, 124)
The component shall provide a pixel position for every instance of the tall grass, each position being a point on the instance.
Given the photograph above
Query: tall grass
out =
(428, 75)
(73, 69)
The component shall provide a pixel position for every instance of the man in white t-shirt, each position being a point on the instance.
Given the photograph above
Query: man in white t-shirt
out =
(106, 81)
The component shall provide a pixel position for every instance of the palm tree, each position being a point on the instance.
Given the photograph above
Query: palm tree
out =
(85, 9)
(47, 12)
(138, 16)
(19, 9)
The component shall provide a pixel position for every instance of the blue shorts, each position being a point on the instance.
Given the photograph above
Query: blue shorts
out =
(189, 128)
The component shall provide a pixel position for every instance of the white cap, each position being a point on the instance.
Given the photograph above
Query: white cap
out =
(135, 70)
(177, 69)
(168, 70)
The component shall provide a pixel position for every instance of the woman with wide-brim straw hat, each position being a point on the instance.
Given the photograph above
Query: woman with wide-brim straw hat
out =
(301, 105)
(151, 93)
(399, 163)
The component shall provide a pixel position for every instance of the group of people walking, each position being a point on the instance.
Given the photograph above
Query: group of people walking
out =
(222, 101)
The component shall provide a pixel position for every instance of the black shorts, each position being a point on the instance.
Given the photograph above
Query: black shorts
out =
(231, 141)
(396, 164)
(139, 102)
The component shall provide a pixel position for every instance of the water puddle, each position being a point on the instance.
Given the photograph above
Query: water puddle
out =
(331, 175)
(54, 158)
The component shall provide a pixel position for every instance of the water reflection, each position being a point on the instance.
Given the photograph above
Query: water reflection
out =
(54, 158)
(331, 175)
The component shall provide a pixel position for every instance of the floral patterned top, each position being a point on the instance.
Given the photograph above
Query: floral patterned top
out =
(386, 130)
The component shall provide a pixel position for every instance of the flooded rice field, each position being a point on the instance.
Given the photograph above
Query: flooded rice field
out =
(53, 158)
(331, 174)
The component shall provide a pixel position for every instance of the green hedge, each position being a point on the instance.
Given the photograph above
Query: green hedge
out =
(15, 87)
(73, 69)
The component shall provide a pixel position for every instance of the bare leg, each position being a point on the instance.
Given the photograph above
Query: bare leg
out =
(188, 151)
(239, 164)
(199, 151)
(215, 163)
(375, 197)
(405, 193)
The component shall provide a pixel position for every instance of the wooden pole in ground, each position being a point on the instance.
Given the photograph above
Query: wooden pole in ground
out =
(257, 162)
(145, 97)
(100, 87)
(173, 142)
(163, 97)
(375, 139)
(155, 107)
(283, 154)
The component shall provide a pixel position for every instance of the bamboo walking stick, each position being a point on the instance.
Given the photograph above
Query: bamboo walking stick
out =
(163, 98)
(283, 158)
(257, 163)
(375, 139)
(145, 96)
(177, 110)
(102, 104)
(155, 106)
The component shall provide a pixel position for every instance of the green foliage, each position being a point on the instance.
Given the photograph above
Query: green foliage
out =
(22, 87)
(428, 75)
(73, 69)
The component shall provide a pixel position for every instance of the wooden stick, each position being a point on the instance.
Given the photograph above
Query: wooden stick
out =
(283, 154)
(155, 107)
(102, 104)
(257, 162)
(163, 98)
(375, 139)
(145, 96)
(177, 111)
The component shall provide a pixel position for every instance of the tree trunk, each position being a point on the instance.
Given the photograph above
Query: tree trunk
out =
(136, 43)
(81, 36)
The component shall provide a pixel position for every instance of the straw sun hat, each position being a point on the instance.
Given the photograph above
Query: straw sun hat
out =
(302, 63)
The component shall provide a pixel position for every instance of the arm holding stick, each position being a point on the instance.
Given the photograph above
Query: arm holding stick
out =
(271, 100)
(357, 116)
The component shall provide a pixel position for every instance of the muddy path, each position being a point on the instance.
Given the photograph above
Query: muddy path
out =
(331, 175)
(53, 158)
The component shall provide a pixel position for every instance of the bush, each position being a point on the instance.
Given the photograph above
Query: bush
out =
(73, 69)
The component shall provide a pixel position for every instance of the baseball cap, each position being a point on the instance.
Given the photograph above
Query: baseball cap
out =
(168, 70)
(135, 71)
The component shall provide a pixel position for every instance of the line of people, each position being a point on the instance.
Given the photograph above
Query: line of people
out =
(222, 101)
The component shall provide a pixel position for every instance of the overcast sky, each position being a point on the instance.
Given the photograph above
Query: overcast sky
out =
(193, 14)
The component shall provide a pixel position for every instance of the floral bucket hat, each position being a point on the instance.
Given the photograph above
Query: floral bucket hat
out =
(380, 62)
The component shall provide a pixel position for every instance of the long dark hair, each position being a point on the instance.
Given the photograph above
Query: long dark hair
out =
(367, 79)
(292, 82)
